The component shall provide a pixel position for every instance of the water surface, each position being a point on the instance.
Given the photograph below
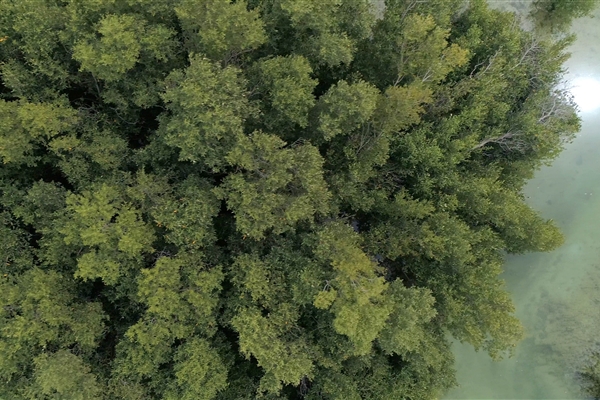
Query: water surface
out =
(557, 294)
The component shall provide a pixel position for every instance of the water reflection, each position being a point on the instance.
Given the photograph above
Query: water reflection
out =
(557, 295)
(586, 93)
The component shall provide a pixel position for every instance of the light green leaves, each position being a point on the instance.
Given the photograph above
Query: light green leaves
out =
(220, 29)
(188, 214)
(258, 279)
(182, 298)
(361, 306)
(40, 310)
(269, 339)
(267, 319)
(401, 107)
(199, 370)
(325, 298)
(117, 51)
(111, 228)
(407, 327)
(424, 50)
(326, 31)
(124, 39)
(25, 127)
(179, 291)
(63, 375)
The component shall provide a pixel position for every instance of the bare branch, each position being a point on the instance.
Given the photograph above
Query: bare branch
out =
(121, 118)
(510, 141)
(365, 137)
(304, 386)
(554, 108)
(490, 62)
(427, 75)
(412, 4)
(530, 51)
(97, 86)
(398, 80)
(232, 57)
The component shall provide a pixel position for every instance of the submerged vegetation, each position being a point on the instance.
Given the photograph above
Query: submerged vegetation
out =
(589, 372)
(556, 16)
(286, 199)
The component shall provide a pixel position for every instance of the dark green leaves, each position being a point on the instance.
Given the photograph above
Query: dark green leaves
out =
(285, 88)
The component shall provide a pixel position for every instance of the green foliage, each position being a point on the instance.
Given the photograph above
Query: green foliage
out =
(401, 107)
(123, 38)
(360, 308)
(28, 126)
(411, 46)
(185, 297)
(588, 373)
(424, 50)
(280, 187)
(325, 32)
(110, 229)
(406, 330)
(220, 29)
(63, 375)
(208, 105)
(345, 108)
(285, 87)
(41, 311)
(199, 371)
(285, 199)
(187, 214)
(284, 361)
(181, 302)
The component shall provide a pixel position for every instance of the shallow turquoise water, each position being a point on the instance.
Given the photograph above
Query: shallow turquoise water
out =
(557, 294)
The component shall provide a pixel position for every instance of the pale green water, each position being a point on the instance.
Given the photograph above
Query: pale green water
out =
(557, 295)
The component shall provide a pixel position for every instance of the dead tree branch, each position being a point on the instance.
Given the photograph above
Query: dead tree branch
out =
(529, 52)
(510, 141)
(490, 62)
(554, 108)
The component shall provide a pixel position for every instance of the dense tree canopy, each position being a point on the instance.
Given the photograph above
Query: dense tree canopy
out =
(286, 199)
